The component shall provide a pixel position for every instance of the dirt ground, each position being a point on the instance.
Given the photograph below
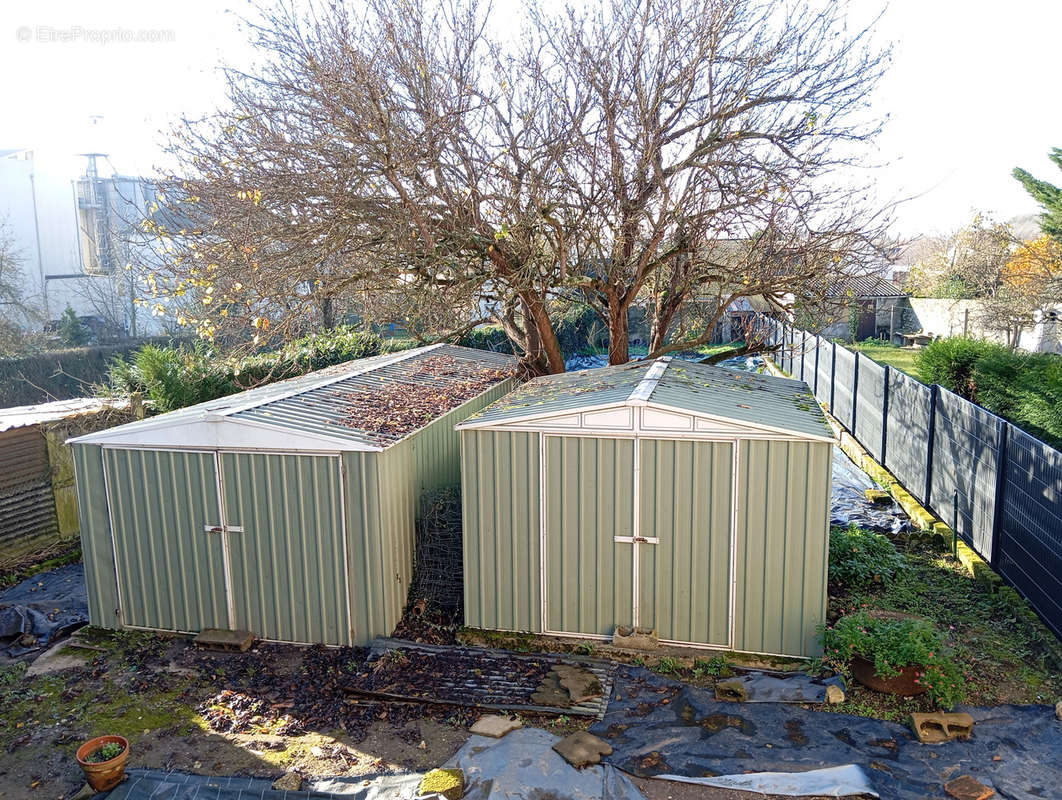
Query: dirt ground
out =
(262, 713)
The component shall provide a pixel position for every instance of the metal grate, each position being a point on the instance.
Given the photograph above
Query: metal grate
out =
(491, 684)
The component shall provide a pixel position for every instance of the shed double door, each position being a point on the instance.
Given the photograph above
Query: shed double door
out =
(229, 540)
(638, 533)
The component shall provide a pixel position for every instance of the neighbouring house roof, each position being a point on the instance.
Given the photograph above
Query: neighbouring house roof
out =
(865, 287)
(368, 404)
(747, 399)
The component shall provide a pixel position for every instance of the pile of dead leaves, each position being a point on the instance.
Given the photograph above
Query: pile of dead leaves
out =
(433, 386)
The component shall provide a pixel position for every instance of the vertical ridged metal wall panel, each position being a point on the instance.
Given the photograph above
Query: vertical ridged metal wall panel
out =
(288, 581)
(782, 546)
(170, 571)
(500, 503)
(589, 500)
(96, 551)
(369, 556)
(686, 501)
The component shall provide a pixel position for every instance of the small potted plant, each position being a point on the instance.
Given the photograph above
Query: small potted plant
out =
(103, 761)
(894, 653)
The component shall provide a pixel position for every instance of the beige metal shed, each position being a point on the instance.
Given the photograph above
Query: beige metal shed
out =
(665, 494)
(287, 510)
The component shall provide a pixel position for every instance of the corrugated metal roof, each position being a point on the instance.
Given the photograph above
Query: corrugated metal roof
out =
(21, 416)
(762, 401)
(568, 391)
(865, 286)
(322, 405)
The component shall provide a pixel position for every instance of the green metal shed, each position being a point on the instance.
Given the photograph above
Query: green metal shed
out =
(665, 494)
(287, 510)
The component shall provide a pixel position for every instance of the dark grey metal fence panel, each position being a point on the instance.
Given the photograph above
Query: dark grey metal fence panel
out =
(869, 400)
(844, 377)
(1030, 545)
(825, 370)
(908, 432)
(965, 453)
(790, 337)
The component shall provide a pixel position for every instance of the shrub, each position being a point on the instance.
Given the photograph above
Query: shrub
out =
(893, 644)
(175, 377)
(950, 362)
(859, 558)
(1025, 388)
(487, 337)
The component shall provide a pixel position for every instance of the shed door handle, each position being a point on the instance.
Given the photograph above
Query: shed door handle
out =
(641, 540)
(223, 528)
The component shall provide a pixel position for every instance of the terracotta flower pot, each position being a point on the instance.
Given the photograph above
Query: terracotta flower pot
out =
(103, 775)
(906, 683)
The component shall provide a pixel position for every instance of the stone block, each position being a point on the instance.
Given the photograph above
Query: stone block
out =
(495, 725)
(582, 749)
(635, 638)
(967, 788)
(834, 695)
(730, 691)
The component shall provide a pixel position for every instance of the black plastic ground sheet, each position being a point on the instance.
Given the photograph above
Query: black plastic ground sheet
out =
(657, 726)
(44, 606)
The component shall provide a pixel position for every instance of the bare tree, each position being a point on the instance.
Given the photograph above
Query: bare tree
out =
(18, 310)
(660, 153)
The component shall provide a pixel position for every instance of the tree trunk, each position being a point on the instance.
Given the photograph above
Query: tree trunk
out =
(619, 335)
(538, 318)
(328, 313)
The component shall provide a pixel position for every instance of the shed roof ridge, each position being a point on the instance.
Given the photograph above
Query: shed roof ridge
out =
(647, 385)
(294, 392)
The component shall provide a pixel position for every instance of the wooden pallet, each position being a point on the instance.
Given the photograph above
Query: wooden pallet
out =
(470, 689)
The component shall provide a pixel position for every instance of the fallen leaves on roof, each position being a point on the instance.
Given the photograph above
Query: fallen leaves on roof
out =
(432, 386)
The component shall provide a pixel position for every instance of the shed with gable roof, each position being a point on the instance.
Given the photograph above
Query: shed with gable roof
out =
(286, 510)
(688, 499)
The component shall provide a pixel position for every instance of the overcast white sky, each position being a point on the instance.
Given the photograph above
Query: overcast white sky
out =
(972, 91)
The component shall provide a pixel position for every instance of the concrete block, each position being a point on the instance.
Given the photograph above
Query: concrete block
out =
(635, 638)
(939, 727)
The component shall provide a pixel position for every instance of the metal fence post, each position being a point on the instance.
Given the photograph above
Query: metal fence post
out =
(833, 373)
(855, 393)
(1001, 491)
(933, 391)
(803, 351)
(818, 348)
(885, 415)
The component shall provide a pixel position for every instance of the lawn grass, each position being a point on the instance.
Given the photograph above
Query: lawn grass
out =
(904, 359)
(1005, 659)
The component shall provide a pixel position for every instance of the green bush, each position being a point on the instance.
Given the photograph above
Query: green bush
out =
(176, 377)
(893, 644)
(859, 558)
(951, 363)
(580, 330)
(1025, 388)
(487, 337)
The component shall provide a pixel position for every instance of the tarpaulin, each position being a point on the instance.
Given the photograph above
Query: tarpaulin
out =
(660, 727)
(44, 606)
